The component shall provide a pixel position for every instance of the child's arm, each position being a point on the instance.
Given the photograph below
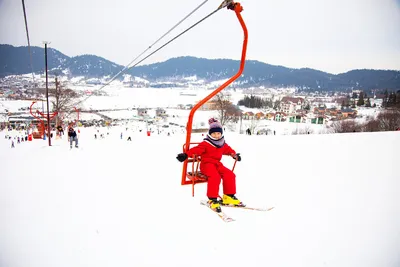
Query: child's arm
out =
(197, 150)
(228, 150)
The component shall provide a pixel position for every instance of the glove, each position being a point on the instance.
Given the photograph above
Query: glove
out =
(182, 157)
(237, 157)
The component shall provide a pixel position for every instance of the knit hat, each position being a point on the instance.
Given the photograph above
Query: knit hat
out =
(215, 126)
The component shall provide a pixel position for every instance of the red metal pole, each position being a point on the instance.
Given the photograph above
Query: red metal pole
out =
(77, 111)
(237, 8)
(77, 124)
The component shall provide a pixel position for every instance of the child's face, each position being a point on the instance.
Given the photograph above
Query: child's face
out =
(216, 135)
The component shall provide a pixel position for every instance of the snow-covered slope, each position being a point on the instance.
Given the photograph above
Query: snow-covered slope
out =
(119, 203)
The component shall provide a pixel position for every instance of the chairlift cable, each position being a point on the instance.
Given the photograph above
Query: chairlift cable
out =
(176, 37)
(224, 4)
(150, 46)
(29, 43)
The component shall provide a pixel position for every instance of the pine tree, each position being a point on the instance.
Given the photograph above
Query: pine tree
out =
(398, 98)
(385, 99)
(391, 100)
(360, 101)
(368, 103)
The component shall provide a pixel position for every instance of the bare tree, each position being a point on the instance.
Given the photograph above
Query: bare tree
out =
(372, 125)
(227, 112)
(254, 122)
(62, 100)
(277, 105)
(307, 129)
(346, 126)
(389, 120)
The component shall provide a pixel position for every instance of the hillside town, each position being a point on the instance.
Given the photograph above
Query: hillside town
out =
(249, 105)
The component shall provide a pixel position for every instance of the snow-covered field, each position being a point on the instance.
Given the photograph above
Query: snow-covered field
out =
(119, 203)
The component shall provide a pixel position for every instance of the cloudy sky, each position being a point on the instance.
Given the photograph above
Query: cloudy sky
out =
(329, 35)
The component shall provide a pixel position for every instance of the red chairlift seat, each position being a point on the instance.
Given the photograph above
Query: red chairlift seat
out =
(195, 176)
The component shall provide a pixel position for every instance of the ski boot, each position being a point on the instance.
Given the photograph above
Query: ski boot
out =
(214, 204)
(231, 201)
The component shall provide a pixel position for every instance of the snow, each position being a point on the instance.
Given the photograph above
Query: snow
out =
(13, 106)
(77, 79)
(123, 101)
(122, 97)
(191, 78)
(215, 84)
(119, 203)
(139, 79)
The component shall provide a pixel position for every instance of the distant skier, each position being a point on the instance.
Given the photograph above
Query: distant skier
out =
(12, 144)
(248, 132)
(211, 151)
(60, 130)
(72, 137)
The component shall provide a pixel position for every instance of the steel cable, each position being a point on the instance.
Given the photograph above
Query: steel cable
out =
(158, 49)
(29, 43)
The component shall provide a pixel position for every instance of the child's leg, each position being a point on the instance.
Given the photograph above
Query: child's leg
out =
(229, 180)
(76, 141)
(214, 179)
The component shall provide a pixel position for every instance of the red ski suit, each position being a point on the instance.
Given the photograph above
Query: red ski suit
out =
(212, 167)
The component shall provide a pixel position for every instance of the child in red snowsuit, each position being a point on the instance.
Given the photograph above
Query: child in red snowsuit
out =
(211, 151)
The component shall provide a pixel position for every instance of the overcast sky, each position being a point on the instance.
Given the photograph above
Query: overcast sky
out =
(329, 35)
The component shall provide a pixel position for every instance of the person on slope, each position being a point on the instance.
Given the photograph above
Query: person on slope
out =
(211, 151)
(72, 137)
(60, 130)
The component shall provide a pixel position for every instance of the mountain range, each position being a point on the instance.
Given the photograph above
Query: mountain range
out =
(16, 60)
